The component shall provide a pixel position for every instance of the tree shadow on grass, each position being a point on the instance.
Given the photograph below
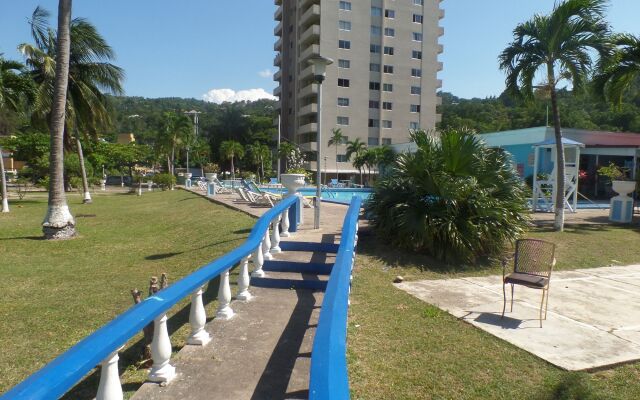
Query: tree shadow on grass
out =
(571, 386)
(163, 256)
(24, 238)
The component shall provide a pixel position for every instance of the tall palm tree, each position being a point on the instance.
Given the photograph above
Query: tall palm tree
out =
(284, 151)
(558, 46)
(59, 223)
(359, 162)
(229, 150)
(177, 131)
(337, 138)
(355, 148)
(619, 71)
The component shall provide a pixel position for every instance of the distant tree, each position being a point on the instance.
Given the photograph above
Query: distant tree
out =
(620, 71)
(176, 132)
(230, 150)
(355, 148)
(284, 152)
(559, 45)
(337, 138)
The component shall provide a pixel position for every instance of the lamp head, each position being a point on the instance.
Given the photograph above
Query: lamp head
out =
(319, 64)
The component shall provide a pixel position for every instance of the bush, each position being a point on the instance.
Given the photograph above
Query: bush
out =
(164, 181)
(454, 199)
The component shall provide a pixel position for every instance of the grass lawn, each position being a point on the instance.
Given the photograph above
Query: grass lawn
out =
(56, 293)
(402, 348)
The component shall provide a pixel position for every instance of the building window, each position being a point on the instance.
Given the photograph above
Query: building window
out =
(414, 125)
(388, 69)
(345, 5)
(417, 36)
(373, 123)
(416, 72)
(376, 30)
(417, 18)
(388, 50)
(415, 108)
(344, 25)
(342, 120)
(375, 48)
(311, 156)
(389, 13)
(344, 44)
(387, 105)
(416, 54)
(374, 85)
(343, 82)
(341, 158)
(389, 32)
(374, 67)
(343, 102)
(418, 2)
(387, 87)
(416, 90)
(386, 141)
(386, 124)
(344, 63)
(373, 141)
(376, 11)
(374, 104)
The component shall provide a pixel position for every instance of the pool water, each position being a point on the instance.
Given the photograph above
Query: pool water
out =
(334, 194)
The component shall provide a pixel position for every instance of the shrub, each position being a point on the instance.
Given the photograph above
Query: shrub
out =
(454, 198)
(164, 181)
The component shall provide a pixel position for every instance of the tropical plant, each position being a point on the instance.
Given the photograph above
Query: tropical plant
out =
(164, 181)
(618, 72)
(559, 45)
(355, 148)
(259, 154)
(614, 172)
(230, 150)
(454, 198)
(176, 132)
(337, 138)
(359, 162)
(285, 151)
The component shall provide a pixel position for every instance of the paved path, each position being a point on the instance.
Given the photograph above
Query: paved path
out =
(264, 351)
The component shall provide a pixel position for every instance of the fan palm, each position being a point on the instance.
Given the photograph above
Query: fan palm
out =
(558, 46)
(229, 150)
(620, 70)
(337, 138)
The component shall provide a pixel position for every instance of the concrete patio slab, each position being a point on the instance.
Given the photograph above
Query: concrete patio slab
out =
(593, 320)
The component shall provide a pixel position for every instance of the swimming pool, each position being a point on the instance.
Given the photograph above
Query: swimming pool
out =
(333, 194)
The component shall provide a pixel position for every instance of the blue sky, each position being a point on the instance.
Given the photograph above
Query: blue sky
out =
(191, 48)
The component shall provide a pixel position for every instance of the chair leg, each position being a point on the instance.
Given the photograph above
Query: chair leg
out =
(512, 286)
(546, 303)
(504, 296)
(542, 306)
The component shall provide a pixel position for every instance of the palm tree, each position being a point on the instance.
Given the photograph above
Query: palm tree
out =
(355, 148)
(619, 72)
(558, 45)
(337, 138)
(177, 131)
(370, 159)
(359, 162)
(284, 151)
(59, 223)
(229, 150)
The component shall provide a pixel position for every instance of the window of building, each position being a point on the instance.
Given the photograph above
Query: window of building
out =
(343, 82)
(375, 48)
(416, 54)
(417, 36)
(376, 30)
(417, 18)
(416, 72)
(344, 44)
(341, 158)
(414, 125)
(386, 141)
(418, 2)
(389, 13)
(416, 90)
(387, 105)
(345, 5)
(344, 63)
(388, 50)
(311, 156)
(374, 85)
(387, 124)
(373, 141)
(376, 11)
(343, 102)
(415, 108)
(374, 67)
(374, 104)
(344, 25)
(387, 87)
(388, 69)
(373, 123)
(389, 32)
(342, 120)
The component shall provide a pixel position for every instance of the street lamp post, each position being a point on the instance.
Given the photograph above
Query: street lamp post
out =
(319, 64)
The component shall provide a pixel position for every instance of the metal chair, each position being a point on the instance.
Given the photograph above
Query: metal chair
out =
(532, 266)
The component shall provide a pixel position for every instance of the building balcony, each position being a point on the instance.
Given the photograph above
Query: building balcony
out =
(306, 73)
(440, 48)
(439, 83)
(278, 45)
(440, 65)
(438, 100)
(438, 118)
(277, 31)
(311, 16)
(440, 13)
(277, 2)
(440, 31)
(311, 35)
(277, 76)
(278, 14)
(308, 109)
(277, 91)
(313, 50)
(308, 128)
(309, 90)
(277, 60)
(311, 146)
(306, 3)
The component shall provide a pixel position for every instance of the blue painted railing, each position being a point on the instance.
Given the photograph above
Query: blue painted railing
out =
(329, 379)
(61, 374)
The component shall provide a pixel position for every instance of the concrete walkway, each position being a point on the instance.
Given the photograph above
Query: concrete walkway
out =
(593, 320)
(264, 351)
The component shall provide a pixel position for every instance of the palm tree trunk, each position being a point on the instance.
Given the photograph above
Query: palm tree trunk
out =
(59, 223)
(337, 173)
(233, 171)
(3, 177)
(85, 184)
(558, 224)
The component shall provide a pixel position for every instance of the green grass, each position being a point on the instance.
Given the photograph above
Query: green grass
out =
(56, 293)
(402, 348)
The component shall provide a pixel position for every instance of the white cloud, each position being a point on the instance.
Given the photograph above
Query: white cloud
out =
(266, 73)
(219, 96)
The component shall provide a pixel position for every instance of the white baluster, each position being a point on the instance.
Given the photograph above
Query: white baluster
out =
(198, 318)
(244, 281)
(285, 223)
(258, 261)
(266, 246)
(161, 370)
(224, 297)
(109, 387)
(275, 236)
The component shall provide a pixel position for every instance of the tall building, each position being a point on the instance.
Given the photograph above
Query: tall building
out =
(382, 83)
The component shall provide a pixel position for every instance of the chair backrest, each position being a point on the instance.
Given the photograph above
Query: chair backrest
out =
(535, 257)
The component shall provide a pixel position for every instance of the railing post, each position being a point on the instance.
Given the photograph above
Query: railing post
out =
(285, 223)
(224, 297)
(266, 246)
(109, 387)
(161, 370)
(275, 236)
(258, 261)
(244, 281)
(198, 318)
